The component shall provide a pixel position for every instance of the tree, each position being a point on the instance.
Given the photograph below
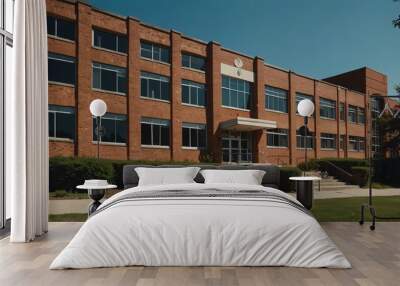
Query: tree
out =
(396, 22)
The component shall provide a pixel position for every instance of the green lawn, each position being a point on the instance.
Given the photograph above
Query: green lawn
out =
(345, 209)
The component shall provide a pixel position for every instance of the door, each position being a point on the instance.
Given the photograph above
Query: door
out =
(236, 147)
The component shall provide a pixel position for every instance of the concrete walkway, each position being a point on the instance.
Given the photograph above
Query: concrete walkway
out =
(350, 193)
(81, 206)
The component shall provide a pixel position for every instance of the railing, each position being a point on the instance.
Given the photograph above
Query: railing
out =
(338, 172)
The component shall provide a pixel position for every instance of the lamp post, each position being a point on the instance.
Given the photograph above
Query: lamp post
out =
(305, 108)
(98, 108)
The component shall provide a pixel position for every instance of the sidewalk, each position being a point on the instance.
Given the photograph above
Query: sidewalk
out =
(350, 193)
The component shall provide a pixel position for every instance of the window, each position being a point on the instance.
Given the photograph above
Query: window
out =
(328, 141)
(193, 62)
(342, 142)
(154, 132)
(109, 78)
(154, 52)
(110, 41)
(276, 99)
(194, 135)
(114, 128)
(356, 143)
(300, 140)
(61, 122)
(154, 86)
(61, 69)
(60, 28)
(360, 115)
(342, 111)
(235, 92)
(193, 93)
(277, 138)
(327, 108)
(352, 114)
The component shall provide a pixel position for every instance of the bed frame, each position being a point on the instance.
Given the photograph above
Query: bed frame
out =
(271, 178)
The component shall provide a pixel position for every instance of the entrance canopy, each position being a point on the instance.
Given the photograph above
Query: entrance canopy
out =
(247, 124)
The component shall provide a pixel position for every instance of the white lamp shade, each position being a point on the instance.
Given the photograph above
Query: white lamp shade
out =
(98, 107)
(305, 108)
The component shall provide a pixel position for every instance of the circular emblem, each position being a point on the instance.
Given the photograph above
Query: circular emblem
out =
(238, 63)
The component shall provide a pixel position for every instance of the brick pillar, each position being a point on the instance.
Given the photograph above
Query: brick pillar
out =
(133, 100)
(317, 119)
(214, 99)
(368, 125)
(292, 119)
(258, 107)
(346, 107)
(337, 122)
(176, 99)
(83, 82)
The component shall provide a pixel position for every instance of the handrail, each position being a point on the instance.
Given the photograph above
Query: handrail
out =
(338, 172)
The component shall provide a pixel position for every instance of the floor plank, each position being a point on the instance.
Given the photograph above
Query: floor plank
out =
(375, 257)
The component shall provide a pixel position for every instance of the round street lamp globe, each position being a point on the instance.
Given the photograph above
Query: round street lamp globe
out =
(305, 108)
(98, 107)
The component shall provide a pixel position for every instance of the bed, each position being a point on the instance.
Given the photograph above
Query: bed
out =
(197, 224)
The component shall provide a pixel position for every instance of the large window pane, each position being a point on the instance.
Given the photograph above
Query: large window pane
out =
(114, 128)
(155, 86)
(146, 134)
(61, 28)
(154, 52)
(109, 78)
(104, 40)
(155, 132)
(235, 92)
(61, 122)
(61, 69)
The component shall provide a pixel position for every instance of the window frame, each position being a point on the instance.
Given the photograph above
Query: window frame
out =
(61, 18)
(153, 47)
(198, 127)
(327, 103)
(155, 77)
(277, 135)
(116, 35)
(198, 86)
(112, 68)
(278, 95)
(159, 122)
(114, 117)
(300, 139)
(64, 110)
(190, 55)
(62, 58)
(359, 143)
(246, 92)
(329, 137)
(342, 111)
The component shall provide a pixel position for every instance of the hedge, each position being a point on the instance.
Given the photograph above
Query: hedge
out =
(67, 172)
(361, 174)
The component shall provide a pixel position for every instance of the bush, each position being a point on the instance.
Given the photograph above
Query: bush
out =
(285, 173)
(346, 163)
(312, 165)
(67, 173)
(361, 175)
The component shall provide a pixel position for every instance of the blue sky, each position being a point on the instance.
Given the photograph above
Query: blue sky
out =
(318, 38)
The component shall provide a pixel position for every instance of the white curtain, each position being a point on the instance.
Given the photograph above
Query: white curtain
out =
(27, 124)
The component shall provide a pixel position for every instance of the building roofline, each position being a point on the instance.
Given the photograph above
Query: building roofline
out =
(86, 2)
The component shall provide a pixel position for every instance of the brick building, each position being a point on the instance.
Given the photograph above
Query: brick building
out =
(173, 97)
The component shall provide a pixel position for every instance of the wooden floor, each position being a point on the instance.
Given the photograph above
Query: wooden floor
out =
(375, 257)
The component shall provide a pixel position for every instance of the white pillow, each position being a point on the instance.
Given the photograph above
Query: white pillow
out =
(166, 176)
(248, 177)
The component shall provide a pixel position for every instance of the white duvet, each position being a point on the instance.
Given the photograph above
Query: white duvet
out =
(200, 231)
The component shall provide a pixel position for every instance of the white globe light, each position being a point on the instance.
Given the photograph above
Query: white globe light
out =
(98, 107)
(305, 108)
